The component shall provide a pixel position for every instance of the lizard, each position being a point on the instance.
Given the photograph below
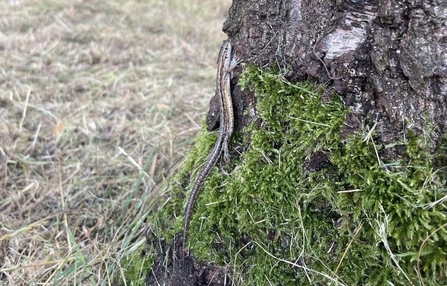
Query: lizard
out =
(226, 126)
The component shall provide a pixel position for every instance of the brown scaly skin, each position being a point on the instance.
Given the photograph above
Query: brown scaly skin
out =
(223, 90)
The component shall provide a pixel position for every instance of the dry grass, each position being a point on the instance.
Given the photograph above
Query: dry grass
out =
(98, 100)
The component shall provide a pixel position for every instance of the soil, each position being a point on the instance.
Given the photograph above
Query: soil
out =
(174, 266)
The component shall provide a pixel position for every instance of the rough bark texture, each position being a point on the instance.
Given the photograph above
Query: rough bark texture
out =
(386, 58)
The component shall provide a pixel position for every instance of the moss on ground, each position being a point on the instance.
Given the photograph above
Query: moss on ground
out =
(355, 219)
(135, 267)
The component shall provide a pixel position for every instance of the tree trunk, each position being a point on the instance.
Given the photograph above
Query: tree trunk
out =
(386, 58)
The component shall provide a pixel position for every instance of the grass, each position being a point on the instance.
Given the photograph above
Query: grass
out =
(98, 101)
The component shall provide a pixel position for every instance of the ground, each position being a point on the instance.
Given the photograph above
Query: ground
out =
(174, 265)
(99, 102)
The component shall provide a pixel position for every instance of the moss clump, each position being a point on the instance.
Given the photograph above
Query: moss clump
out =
(135, 267)
(355, 220)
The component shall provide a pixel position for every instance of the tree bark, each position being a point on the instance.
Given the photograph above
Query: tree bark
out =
(386, 58)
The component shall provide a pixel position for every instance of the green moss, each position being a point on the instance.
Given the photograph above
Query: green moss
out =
(358, 220)
(135, 267)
